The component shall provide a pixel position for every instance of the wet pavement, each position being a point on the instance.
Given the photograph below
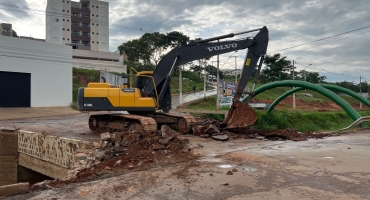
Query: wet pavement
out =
(191, 97)
(332, 168)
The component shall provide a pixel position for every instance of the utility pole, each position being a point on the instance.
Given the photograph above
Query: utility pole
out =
(180, 84)
(236, 73)
(218, 83)
(360, 94)
(293, 88)
(205, 83)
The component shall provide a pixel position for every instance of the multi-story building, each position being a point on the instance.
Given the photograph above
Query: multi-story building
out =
(83, 25)
(6, 29)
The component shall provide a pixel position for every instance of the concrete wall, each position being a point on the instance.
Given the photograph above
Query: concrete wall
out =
(8, 157)
(53, 149)
(50, 66)
(103, 12)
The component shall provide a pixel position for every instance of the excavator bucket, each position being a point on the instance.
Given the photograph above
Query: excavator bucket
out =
(240, 115)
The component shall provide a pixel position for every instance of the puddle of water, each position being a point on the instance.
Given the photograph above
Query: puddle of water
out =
(225, 166)
(328, 157)
(211, 160)
(248, 168)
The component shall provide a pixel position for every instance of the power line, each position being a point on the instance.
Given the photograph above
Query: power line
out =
(321, 39)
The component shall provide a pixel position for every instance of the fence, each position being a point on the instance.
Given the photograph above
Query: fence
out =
(111, 78)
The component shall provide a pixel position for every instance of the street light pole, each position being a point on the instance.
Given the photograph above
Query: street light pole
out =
(293, 88)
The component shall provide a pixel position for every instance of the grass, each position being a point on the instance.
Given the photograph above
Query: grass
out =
(311, 121)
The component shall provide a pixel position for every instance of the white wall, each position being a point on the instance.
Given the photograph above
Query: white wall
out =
(103, 12)
(54, 22)
(50, 66)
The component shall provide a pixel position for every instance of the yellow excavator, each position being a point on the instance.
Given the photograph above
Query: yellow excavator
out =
(148, 102)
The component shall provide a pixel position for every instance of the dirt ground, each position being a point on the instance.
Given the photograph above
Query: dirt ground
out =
(334, 167)
(331, 168)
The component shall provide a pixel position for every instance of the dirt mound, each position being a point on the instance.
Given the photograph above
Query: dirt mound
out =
(121, 152)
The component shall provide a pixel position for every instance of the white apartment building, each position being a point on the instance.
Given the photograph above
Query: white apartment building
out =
(6, 29)
(83, 25)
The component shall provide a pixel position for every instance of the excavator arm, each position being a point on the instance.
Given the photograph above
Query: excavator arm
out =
(195, 50)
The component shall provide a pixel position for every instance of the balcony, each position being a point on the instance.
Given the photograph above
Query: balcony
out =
(78, 19)
(78, 28)
(6, 33)
(80, 37)
(80, 10)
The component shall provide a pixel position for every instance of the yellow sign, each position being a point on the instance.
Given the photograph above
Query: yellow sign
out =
(248, 62)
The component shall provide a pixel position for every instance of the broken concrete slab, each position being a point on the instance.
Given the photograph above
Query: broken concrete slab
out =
(158, 146)
(220, 137)
(105, 136)
(14, 189)
(212, 130)
(167, 132)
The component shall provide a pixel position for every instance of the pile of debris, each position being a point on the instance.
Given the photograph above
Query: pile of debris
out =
(214, 129)
(121, 151)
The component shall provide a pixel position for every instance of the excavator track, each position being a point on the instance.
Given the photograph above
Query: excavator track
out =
(140, 124)
(122, 122)
(177, 122)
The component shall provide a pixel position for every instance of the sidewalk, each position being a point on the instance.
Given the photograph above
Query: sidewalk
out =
(22, 113)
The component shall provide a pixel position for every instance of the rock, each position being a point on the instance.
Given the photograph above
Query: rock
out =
(158, 146)
(168, 133)
(81, 156)
(130, 167)
(117, 163)
(82, 162)
(129, 139)
(225, 183)
(154, 139)
(229, 173)
(105, 136)
(204, 135)
(220, 137)
(212, 130)
(163, 141)
(260, 137)
(211, 174)
(96, 145)
(348, 148)
(234, 170)
(107, 168)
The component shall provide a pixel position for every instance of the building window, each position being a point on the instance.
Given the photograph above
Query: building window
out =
(97, 6)
(68, 39)
(92, 32)
(92, 41)
(63, 20)
(97, 42)
(97, 15)
(92, 23)
(67, 20)
(63, 38)
(97, 33)
(63, 10)
(67, 10)
(97, 24)
(64, 29)
(67, 29)
(56, 19)
(92, 14)
(67, 1)
(93, 6)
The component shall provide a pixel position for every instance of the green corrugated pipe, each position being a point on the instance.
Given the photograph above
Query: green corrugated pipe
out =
(302, 84)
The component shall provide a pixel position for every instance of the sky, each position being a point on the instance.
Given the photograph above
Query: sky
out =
(332, 35)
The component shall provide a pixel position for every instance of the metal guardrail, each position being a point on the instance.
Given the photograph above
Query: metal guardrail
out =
(357, 122)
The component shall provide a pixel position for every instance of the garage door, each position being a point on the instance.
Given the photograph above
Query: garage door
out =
(15, 89)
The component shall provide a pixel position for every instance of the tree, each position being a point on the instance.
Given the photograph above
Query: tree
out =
(312, 77)
(276, 68)
(151, 47)
(14, 34)
(212, 70)
(196, 68)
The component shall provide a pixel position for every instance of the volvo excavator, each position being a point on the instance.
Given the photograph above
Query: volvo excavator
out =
(148, 102)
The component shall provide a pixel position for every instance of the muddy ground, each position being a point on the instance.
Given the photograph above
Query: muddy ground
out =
(243, 167)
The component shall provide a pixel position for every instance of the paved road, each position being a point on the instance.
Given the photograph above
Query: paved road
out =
(190, 97)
